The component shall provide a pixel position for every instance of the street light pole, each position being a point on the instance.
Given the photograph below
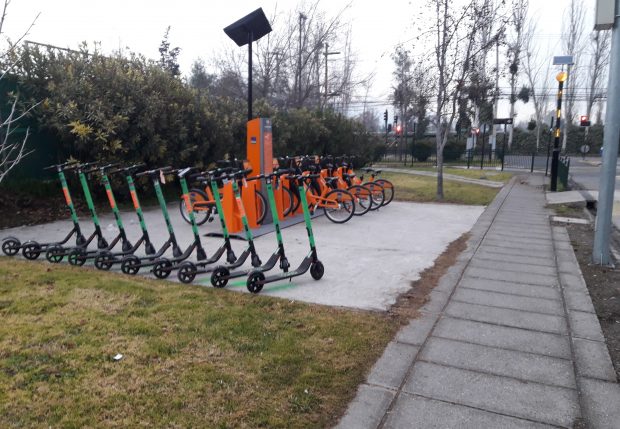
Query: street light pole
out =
(561, 78)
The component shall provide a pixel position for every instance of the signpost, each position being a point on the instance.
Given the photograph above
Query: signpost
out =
(561, 78)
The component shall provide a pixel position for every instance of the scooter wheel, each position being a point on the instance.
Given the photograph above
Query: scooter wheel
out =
(54, 254)
(255, 281)
(77, 257)
(103, 261)
(10, 246)
(187, 272)
(130, 265)
(317, 270)
(161, 269)
(219, 276)
(31, 250)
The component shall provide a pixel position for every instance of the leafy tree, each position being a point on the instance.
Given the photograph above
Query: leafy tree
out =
(169, 56)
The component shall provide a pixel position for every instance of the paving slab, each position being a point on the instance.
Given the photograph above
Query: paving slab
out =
(413, 411)
(506, 300)
(509, 251)
(601, 401)
(585, 325)
(511, 276)
(512, 288)
(579, 301)
(496, 361)
(573, 282)
(508, 317)
(593, 360)
(391, 368)
(533, 401)
(367, 409)
(485, 255)
(417, 330)
(509, 265)
(509, 338)
(539, 247)
(436, 302)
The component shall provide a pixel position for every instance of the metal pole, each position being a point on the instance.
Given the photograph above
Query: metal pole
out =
(549, 147)
(484, 131)
(602, 231)
(250, 40)
(504, 147)
(561, 77)
(413, 143)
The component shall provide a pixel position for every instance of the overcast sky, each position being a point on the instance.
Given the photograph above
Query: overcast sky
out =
(197, 27)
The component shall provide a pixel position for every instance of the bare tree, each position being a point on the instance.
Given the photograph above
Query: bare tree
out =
(572, 37)
(600, 43)
(536, 77)
(515, 47)
(12, 149)
(454, 30)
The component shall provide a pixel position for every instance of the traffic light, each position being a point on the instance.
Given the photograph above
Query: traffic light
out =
(389, 128)
(385, 116)
(396, 119)
(475, 131)
(398, 128)
(584, 121)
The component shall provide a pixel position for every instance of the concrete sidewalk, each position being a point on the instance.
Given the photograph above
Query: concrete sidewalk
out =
(509, 338)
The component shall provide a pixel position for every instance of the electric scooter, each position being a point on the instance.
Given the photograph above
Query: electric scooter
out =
(131, 264)
(79, 255)
(105, 259)
(256, 278)
(56, 253)
(188, 270)
(32, 249)
(164, 266)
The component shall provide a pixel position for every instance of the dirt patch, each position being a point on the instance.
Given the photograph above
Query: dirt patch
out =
(604, 286)
(408, 305)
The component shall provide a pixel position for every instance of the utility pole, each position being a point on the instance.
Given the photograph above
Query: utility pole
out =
(327, 54)
(607, 184)
(302, 17)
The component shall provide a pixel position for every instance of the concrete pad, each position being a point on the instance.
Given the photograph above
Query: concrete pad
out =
(600, 402)
(571, 220)
(572, 282)
(437, 301)
(508, 317)
(512, 276)
(504, 337)
(512, 288)
(367, 409)
(533, 401)
(389, 371)
(491, 360)
(592, 359)
(369, 261)
(502, 250)
(566, 197)
(412, 411)
(507, 300)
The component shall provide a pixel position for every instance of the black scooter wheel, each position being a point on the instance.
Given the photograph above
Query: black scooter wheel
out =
(10, 246)
(187, 272)
(162, 268)
(54, 254)
(255, 281)
(31, 250)
(317, 270)
(77, 257)
(103, 261)
(130, 265)
(219, 276)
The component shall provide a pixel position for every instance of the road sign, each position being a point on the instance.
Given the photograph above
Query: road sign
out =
(502, 121)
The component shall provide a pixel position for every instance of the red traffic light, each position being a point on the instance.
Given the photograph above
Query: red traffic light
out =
(584, 121)
(398, 128)
(475, 131)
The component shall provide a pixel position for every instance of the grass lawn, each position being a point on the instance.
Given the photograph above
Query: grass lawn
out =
(409, 187)
(193, 356)
(472, 173)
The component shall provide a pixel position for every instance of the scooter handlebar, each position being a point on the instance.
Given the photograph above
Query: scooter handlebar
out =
(164, 170)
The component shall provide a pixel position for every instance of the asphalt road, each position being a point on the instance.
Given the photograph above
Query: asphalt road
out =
(587, 172)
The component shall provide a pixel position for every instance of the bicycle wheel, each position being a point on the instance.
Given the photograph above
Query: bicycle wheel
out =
(362, 198)
(340, 206)
(388, 189)
(378, 194)
(202, 207)
(287, 201)
(261, 207)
